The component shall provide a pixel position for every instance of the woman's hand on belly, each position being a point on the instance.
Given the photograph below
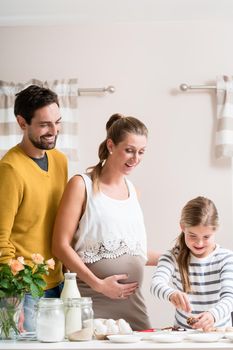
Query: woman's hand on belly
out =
(112, 288)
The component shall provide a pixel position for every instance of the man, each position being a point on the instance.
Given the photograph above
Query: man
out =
(33, 176)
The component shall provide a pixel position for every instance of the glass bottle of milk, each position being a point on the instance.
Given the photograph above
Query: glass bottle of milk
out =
(70, 292)
(70, 289)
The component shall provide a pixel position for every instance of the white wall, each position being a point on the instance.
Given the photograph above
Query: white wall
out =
(146, 62)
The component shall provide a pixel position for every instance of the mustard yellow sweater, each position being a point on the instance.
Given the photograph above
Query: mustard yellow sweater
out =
(29, 198)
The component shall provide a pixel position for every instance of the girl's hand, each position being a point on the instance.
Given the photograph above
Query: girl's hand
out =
(180, 301)
(111, 287)
(205, 321)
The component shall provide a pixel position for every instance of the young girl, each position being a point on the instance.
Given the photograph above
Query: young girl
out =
(200, 270)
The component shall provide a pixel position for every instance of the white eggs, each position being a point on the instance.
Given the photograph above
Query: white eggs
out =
(106, 327)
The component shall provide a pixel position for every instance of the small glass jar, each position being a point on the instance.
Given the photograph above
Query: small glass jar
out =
(78, 319)
(50, 321)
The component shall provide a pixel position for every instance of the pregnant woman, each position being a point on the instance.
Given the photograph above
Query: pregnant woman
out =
(99, 231)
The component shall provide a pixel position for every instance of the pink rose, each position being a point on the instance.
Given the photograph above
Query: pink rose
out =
(50, 263)
(21, 260)
(15, 266)
(37, 259)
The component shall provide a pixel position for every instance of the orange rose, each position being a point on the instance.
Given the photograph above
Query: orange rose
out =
(21, 260)
(37, 259)
(15, 266)
(50, 263)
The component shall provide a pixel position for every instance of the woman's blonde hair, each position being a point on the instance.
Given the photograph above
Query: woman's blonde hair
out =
(198, 211)
(117, 127)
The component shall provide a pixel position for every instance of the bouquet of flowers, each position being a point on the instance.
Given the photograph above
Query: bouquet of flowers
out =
(16, 279)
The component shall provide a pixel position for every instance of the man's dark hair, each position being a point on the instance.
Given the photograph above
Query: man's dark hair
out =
(32, 98)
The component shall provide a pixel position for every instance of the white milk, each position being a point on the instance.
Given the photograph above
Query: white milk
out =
(70, 289)
(70, 295)
(73, 319)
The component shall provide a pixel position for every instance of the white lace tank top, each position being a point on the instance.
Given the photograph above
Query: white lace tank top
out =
(109, 227)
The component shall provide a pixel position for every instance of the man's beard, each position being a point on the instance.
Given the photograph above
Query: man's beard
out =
(43, 144)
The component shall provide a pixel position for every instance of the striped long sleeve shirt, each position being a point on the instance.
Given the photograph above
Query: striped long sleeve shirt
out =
(211, 281)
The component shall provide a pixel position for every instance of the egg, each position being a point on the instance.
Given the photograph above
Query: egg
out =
(99, 327)
(124, 327)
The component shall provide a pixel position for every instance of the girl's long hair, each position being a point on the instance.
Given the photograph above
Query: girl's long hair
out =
(198, 211)
(117, 127)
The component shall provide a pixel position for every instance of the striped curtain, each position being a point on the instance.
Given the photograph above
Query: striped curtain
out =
(67, 91)
(224, 134)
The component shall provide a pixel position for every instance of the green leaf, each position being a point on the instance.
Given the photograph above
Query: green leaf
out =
(2, 294)
(41, 283)
(27, 279)
(35, 291)
(36, 275)
(5, 283)
(27, 270)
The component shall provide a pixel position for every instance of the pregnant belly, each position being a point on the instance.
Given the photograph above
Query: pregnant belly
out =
(131, 265)
(133, 309)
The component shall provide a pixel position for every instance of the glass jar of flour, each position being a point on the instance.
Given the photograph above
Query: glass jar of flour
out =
(78, 319)
(50, 321)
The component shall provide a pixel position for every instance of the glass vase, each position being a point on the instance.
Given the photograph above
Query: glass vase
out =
(10, 308)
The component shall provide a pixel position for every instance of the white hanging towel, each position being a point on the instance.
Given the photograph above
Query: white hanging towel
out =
(67, 91)
(224, 134)
(10, 132)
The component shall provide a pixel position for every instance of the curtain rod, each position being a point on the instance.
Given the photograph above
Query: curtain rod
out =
(185, 87)
(111, 89)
